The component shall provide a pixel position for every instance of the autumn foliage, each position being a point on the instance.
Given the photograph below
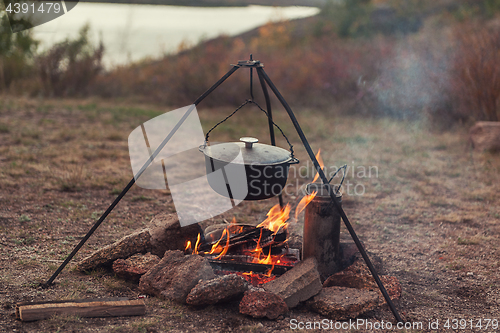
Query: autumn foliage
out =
(309, 70)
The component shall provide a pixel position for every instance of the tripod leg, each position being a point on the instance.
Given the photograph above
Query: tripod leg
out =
(269, 120)
(332, 195)
(132, 182)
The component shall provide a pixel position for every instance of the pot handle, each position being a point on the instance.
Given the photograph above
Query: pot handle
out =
(267, 114)
(294, 161)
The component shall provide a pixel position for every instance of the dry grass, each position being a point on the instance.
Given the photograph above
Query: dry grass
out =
(430, 210)
(476, 79)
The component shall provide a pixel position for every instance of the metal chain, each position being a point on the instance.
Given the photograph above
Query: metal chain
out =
(288, 141)
(239, 108)
(223, 120)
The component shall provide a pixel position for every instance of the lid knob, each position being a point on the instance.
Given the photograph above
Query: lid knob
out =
(249, 141)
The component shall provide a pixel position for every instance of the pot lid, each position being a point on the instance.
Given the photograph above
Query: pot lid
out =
(251, 151)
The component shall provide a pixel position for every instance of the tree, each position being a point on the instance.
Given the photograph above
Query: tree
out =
(17, 52)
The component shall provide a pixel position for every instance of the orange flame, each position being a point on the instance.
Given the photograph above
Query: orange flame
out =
(216, 247)
(224, 251)
(321, 164)
(268, 260)
(257, 247)
(276, 218)
(233, 221)
(197, 245)
(276, 221)
(303, 203)
(268, 273)
(233, 227)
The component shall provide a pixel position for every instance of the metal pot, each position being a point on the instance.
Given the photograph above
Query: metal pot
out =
(247, 170)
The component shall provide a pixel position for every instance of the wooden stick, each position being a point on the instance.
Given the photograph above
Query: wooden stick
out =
(82, 308)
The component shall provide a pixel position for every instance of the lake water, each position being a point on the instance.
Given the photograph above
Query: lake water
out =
(133, 32)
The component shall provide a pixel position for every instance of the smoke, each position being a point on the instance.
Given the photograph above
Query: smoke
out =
(413, 82)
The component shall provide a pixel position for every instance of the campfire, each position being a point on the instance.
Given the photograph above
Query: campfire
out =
(253, 264)
(258, 253)
(239, 254)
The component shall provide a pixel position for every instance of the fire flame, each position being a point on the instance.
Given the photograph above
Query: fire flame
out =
(258, 249)
(303, 203)
(216, 247)
(321, 164)
(276, 218)
(268, 273)
(276, 222)
(268, 260)
(197, 245)
(224, 251)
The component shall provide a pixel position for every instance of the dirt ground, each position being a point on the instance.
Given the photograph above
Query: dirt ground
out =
(420, 199)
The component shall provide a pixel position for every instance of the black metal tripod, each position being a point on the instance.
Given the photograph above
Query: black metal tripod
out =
(265, 81)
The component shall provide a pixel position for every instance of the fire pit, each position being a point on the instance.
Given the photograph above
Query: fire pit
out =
(258, 253)
(269, 248)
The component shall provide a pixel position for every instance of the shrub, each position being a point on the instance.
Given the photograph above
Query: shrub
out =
(363, 18)
(69, 67)
(475, 74)
(308, 69)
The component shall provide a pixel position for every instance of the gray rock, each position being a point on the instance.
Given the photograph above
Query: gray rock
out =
(220, 289)
(352, 277)
(138, 242)
(175, 275)
(298, 284)
(135, 266)
(341, 303)
(167, 234)
(485, 135)
(260, 304)
(355, 276)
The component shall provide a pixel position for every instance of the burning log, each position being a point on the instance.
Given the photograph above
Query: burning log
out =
(235, 266)
(246, 240)
(255, 252)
